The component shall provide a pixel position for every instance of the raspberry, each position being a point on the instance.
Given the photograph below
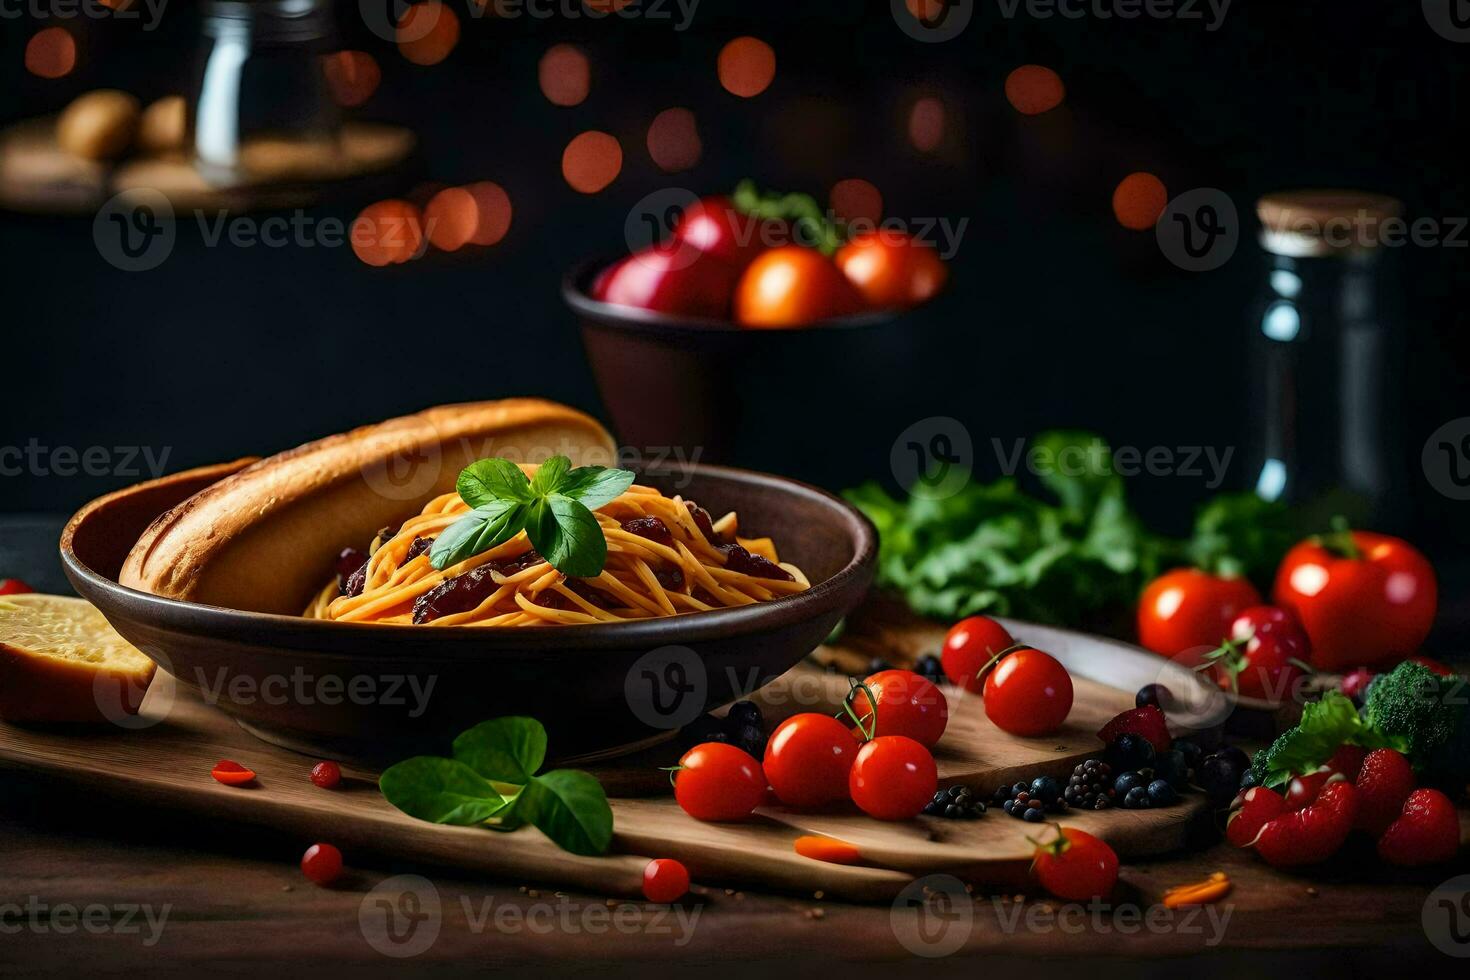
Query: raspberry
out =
(1147, 722)
(1428, 831)
(1384, 782)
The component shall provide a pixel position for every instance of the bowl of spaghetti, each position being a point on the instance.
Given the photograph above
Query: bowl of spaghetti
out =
(716, 582)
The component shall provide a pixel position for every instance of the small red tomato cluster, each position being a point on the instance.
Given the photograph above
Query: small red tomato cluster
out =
(1027, 692)
(1345, 600)
(730, 259)
(1373, 793)
(879, 758)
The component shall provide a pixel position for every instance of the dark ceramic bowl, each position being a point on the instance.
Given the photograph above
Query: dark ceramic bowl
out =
(816, 402)
(377, 693)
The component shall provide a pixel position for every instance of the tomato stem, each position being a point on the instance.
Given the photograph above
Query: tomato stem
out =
(870, 729)
(989, 665)
(1340, 541)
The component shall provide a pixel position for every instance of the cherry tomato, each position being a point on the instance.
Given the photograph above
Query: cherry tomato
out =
(1261, 659)
(665, 880)
(793, 286)
(713, 225)
(892, 778)
(1076, 866)
(907, 705)
(1188, 610)
(719, 782)
(1365, 599)
(13, 586)
(231, 773)
(969, 646)
(892, 269)
(670, 278)
(1028, 693)
(322, 863)
(326, 774)
(807, 760)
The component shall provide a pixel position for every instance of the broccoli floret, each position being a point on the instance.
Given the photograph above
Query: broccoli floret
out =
(1429, 711)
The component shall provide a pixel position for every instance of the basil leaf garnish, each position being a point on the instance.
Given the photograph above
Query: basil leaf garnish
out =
(441, 791)
(567, 534)
(481, 529)
(487, 480)
(507, 750)
(570, 807)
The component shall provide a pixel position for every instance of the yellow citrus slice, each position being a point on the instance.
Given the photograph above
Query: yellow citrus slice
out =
(61, 661)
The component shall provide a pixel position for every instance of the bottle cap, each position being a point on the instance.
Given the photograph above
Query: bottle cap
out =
(1327, 222)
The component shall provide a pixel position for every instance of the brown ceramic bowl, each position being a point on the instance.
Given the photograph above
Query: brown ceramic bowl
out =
(377, 693)
(798, 401)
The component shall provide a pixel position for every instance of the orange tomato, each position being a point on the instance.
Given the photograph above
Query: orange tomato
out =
(892, 269)
(793, 286)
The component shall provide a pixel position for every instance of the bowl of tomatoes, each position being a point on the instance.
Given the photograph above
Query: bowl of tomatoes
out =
(758, 332)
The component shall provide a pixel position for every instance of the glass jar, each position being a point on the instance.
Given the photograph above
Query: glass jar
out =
(1326, 351)
(259, 107)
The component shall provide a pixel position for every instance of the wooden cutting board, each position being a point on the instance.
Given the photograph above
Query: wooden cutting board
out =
(167, 764)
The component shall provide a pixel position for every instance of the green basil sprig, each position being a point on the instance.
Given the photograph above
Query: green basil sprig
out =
(554, 509)
(492, 781)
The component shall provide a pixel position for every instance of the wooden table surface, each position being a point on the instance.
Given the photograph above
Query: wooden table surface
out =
(231, 898)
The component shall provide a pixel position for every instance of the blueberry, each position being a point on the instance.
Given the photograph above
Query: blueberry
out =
(1020, 788)
(1160, 793)
(1241, 760)
(1130, 752)
(1008, 805)
(745, 713)
(958, 792)
(1174, 767)
(703, 729)
(1034, 816)
(1191, 749)
(1251, 778)
(1126, 782)
(1154, 694)
(1046, 789)
(878, 665)
(751, 739)
(1001, 794)
(953, 812)
(1137, 799)
(930, 668)
(1219, 776)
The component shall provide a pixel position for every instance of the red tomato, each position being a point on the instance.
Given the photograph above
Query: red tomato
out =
(670, 278)
(326, 774)
(892, 778)
(713, 225)
(231, 773)
(793, 286)
(807, 760)
(907, 705)
(719, 782)
(1028, 693)
(322, 863)
(969, 646)
(1191, 610)
(1266, 646)
(1365, 599)
(1076, 866)
(665, 880)
(892, 269)
(13, 586)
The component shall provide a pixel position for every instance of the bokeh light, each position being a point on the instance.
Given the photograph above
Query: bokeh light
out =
(746, 66)
(855, 199)
(1139, 200)
(926, 124)
(51, 53)
(564, 75)
(450, 218)
(352, 76)
(493, 212)
(427, 32)
(605, 6)
(673, 140)
(591, 161)
(387, 233)
(927, 11)
(1034, 89)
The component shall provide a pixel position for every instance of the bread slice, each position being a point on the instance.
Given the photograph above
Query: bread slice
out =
(61, 661)
(266, 538)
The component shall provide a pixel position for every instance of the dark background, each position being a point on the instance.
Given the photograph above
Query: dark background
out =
(1057, 315)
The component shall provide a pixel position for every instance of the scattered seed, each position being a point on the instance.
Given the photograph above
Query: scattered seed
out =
(819, 894)
(533, 893)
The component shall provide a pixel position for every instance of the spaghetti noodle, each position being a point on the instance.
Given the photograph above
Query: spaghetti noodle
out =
(666, 556)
